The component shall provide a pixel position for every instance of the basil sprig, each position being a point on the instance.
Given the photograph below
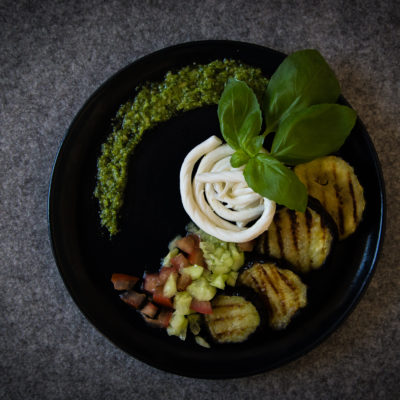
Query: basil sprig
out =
(299, 106)
(313, 132)
(304, 78)
(239, 114)
(273, 180)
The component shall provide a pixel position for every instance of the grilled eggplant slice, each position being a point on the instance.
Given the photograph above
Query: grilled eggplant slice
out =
(333, 182)
(282, 290)
(303, 239)
(233, 319)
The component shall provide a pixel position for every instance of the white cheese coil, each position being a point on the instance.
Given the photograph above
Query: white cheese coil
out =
(219, 200)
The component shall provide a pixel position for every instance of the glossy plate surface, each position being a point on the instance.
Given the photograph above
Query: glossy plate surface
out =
(153, 215)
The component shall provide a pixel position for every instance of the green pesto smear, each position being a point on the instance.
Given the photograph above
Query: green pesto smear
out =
(191, 87)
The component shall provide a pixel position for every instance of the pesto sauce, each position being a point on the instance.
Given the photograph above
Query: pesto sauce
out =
(191, 87)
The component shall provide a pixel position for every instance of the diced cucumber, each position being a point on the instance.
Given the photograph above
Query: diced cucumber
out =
(201, 290)
(194, 323)
(178, 326)
(170, 285)
(182, 301)
(201, 342)
(237, 255)
(167, 259)
(219, 252)
(231, 278)
(221, 268)
(218, 280)
(207, 274)
(222, 257)
(194, 271)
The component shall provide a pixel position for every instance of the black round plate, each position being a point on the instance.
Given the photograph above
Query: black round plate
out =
(153, 215)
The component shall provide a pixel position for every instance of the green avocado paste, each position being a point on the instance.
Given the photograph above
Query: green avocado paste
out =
(186, 89)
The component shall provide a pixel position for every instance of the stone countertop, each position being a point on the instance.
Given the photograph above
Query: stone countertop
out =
(53, 56)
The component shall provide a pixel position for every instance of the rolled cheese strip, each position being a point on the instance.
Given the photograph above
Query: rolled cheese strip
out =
(221, 182)
(224, 176)
(231, 215)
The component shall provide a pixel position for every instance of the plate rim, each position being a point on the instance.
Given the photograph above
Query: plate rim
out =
(154, 362)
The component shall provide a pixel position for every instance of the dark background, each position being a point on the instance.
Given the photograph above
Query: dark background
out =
(53, 55)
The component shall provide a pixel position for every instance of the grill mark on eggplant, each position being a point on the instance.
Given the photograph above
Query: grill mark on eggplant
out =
(338, 200)
(287, 282)
(237, 318)
(324, 228)
(254, 280)
(340, 217)
(230, 332)
(322, 220)
(278, 292)
(278, 233)
(305, 236)
(308, 221)
(282, 295)
(292, 288)
(261, 289)
(319, 190)
(294, 228)
(268, 279)
(353, 198)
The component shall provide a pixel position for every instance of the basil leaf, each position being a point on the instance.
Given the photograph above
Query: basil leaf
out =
(304, 78)
(239, 158)
(253, 145)
(270, 178)
(314, 132)
(239, 114)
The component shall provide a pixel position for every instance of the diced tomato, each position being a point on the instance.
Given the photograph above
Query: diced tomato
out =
(162, 321)
(165, 272)
(150, 310)
(133, 298)
(151, 282)
(159, 298)
(195, 238)
(183, 282)
(186, 244)
(247, 246)
(196, 257)
(202, 307)
(123, 281)
(180, 261)
(164, 317)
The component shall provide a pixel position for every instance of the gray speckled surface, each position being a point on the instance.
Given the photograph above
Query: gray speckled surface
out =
(53, 55)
